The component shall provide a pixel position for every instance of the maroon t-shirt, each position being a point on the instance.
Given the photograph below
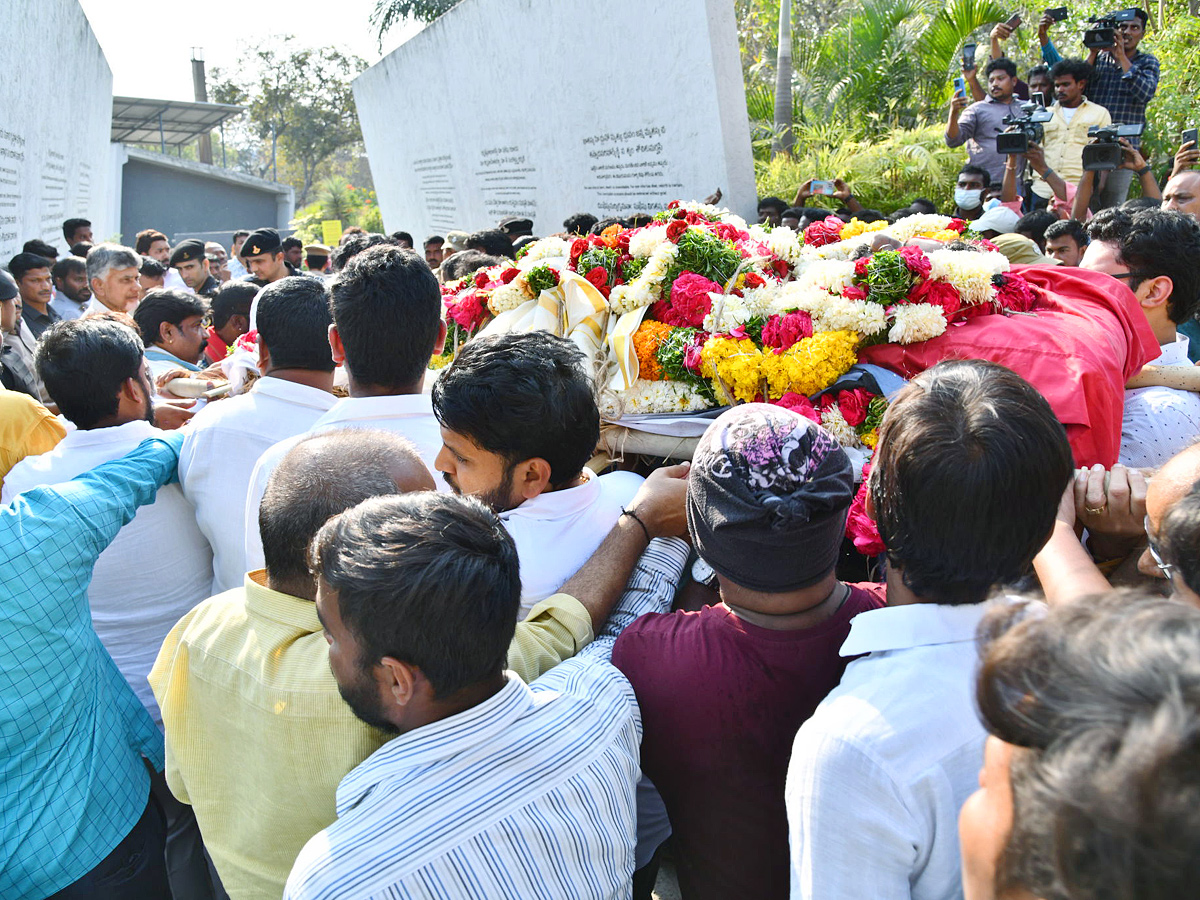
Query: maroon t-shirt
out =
(721, 703)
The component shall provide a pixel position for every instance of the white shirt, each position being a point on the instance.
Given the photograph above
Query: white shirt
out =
(556, 532)
(408, 415)
(1160, 421)
(528, 794)
(223, 444)
(66, 307)
(158, 567)
(879, 772)
(236, 269)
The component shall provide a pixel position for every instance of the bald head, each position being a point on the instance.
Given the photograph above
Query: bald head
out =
(1168, 486)
(324, 475)
(1182, 192)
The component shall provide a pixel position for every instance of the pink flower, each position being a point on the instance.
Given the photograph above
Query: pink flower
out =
(958, 225)
(783, 331)
(861, 528)
(675, 230)
(828, 231)
(1016, 294)
(916, 260)
(860, 266)
(738, 331)
(689, 302)
(854, 292)
(798, 403)
(940, 293)
(469, 312)
(691, 356)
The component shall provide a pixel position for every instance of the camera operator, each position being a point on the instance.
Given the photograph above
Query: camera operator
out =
(978, 124)
(1124, 83)
(1067, 133)
(1133, 163)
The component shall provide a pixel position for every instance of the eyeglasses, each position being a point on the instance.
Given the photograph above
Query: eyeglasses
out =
(1125, 275)
(1163, 567)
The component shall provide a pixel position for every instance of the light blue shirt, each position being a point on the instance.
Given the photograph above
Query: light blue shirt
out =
(528, 794)
(72, 781)
(155, 354)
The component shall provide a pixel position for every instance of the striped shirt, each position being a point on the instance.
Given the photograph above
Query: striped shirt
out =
(528, 794)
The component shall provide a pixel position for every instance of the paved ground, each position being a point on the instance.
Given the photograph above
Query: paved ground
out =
(667, 886)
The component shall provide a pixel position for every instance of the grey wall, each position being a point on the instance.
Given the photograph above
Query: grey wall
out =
(55, 117)
(182, 197)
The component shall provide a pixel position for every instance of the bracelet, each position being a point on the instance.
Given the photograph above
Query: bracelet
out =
(1143, 170)
(1046, 175)
(634, 516)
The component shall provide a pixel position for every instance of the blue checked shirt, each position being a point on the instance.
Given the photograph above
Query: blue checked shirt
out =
(1124, 94)
(72, 781)
(528, 794)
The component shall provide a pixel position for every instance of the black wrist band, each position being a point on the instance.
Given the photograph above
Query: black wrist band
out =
(1143, 170)
(635, 518)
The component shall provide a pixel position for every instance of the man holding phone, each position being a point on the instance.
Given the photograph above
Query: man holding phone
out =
(1124, 82)
(977, 124)
(1067, 133)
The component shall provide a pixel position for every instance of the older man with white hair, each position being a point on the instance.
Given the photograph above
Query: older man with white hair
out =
(112, 271)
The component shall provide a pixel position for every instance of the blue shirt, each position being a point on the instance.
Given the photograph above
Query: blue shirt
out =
(158, 354)
(72, 781)
(1124, 94)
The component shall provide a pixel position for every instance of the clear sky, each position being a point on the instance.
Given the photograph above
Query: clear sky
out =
(149, 45)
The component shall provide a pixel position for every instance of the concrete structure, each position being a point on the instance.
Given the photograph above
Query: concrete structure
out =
(55, 112)
(545, 108)
(181, 197)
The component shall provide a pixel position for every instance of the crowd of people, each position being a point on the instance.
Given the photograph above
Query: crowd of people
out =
(349, 627)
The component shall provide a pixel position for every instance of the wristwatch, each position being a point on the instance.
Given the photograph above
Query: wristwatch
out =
(703, 573)
(1143, 170)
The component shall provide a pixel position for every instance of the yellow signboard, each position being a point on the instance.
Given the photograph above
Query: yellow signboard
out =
(331, 231)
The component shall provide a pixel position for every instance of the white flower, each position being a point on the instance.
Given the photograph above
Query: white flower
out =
(911, 226)
(915, 322)
(840, 314)
(760, 299)
(509, 296)
(839, 249)
(970, 271)
(785, 244)
(647, 397)
(644, 242)
(828, 274)
(647, 287)
(835, 423)
(733, 310)
(546, 248)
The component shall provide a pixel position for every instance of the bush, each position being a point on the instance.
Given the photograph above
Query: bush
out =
(884, 174)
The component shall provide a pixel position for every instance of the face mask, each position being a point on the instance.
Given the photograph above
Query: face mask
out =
(967, 199)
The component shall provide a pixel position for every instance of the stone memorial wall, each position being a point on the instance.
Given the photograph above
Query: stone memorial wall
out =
(55, 120)
(544, 108)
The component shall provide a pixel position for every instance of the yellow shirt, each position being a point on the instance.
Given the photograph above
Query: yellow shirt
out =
(258, 737)
(26, 429)
(1065, 141)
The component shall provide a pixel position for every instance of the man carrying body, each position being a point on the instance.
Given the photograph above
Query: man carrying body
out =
(231, 305)
(525, 458)
(1067, 133)
(71, 287)
(32, 274)
(173, 328)
(387, 323)
(1066, 240)
(189, 260)
(978, 124)
(1153, 253)
(112, 272)
(226, 439)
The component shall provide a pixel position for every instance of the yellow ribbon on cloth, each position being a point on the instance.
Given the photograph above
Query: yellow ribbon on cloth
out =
(620, 339)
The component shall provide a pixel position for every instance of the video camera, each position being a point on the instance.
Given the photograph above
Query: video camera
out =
(1103, 33)
(1105, 154)
(1024, 129)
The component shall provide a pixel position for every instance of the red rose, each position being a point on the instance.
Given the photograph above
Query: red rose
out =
(681, 214)
(598, 276)
(958, 225)
(940, 293)
(827, 401)
(579, 246)
(675, 230)
(674, 204)
(853, 405)
(860, 266)
(754, 280)
(623, 242)
(781, 268)
(509, 274)
(828, 231)
(727, 232)
(1016, 294)
(781, 332)
(481, 279)
(916, 260)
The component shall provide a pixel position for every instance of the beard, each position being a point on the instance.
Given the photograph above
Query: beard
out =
(362, 697)
(499, 499)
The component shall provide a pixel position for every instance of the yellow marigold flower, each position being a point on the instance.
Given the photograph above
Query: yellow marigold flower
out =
(810, 365)
(877, 225)
(646, 341)
(609, 235)
(736, 363)
(869, 438)
(945, 236)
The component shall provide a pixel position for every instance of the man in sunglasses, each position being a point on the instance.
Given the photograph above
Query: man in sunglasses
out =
(1154, 253)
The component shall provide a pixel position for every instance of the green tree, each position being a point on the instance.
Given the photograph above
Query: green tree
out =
(391, 12)
(299, 100)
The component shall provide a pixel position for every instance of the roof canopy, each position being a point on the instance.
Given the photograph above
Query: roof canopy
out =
(171, 122)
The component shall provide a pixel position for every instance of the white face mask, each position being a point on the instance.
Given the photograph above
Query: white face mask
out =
(967, 198)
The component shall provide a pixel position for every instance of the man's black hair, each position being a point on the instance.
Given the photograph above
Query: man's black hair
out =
(492, 241)
(165, 305)
(73, 225)
(1033, 225)
(970, 468)
(1078, 69)
(970, 169)
(433, 239)
(292, 242)
(1039, 69)
(293, 320)
(402, 236)
(387, 306)
(639, 220)
(233, 298)
(66, 266)
(772, 203)
(1071, 228)
(522, 396)
(868, 215)
(813, 214)
(793, 212)
(38, 247)
(580, 223)
(352, 246)
(241, 232)
(467, 262)
(24, 263)
(84, 363)
(1003, 64)
(1179, 538)
(152, 268)
(603, 224)
(82, 249)
(428, 579)
(1133, 204)
(1154, 242)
